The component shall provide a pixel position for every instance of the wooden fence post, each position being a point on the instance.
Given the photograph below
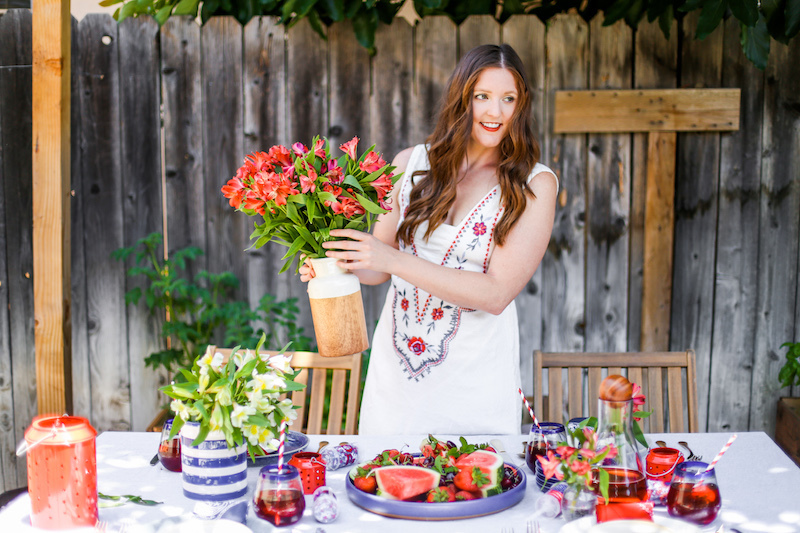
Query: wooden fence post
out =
(51, 199)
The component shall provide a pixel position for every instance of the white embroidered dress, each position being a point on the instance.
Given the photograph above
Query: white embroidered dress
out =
(436, 367)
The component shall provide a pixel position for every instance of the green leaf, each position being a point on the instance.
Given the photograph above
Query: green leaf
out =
(296, 246)
(744, 10)
(201, 435)
(106, 3)
(602, 477)
(187, 7)
(127, 10)
(369, 205)
(365, 23)
(163, 14)
(792, 14)
(353, 182)
(774, 12)
(755, 42)
(665, 21)
(133, 296)
(617, 10)
(710, 17)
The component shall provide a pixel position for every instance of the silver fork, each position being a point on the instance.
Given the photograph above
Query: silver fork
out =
(692, 456)
(533, 527)
(507, 530)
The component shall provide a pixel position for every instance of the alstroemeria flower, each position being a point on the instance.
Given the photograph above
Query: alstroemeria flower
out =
(179, 408)
(638, 400)
(580, 467)
(224, 396)
(551, 465)
(268, 381)
(350, 148)
(612, 451)
(281, 362)
(283, 158)
(289, 412)
(565, 452)
(260, 160)
(382, 185)
(372, 162)
(242, 358)
(335, 173)
(319, 149)
(240, 414)
(235, 192)
(308, 183)
(349, 206)
(299, 149)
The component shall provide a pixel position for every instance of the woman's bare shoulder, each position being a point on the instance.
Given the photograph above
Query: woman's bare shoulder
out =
(401, 159)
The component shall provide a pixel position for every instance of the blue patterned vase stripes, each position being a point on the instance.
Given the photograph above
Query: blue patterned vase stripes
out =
(211, 470)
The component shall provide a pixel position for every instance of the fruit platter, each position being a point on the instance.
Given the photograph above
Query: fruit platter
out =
(444, 481)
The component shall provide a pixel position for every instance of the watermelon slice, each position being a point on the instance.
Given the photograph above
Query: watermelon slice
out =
(490, 464)
(404, 482)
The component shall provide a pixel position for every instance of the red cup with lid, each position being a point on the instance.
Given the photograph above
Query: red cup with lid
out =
(312, 470)
(62, 471)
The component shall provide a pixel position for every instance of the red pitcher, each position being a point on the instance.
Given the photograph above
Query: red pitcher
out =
(62, 472)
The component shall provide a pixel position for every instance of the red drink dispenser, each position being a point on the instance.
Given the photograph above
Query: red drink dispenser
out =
(62, 472)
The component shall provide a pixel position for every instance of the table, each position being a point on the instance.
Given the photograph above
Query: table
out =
(758, 482)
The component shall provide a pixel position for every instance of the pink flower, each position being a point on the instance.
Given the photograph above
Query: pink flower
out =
(565, 452)
(479, 228)
(349, 206)
(638, 400)
(382, 185)
(350, 148)
(334, 174)
(612, 451)
(372, 162)
(319, 149)
(586, 453)
(299, 149)
(308, 183)
(274, 187)
(234, 191)
(283, 158)
(550, 465)
(580, 467)
(260, 160)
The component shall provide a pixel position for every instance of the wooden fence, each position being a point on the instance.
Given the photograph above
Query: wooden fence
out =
(162, 118)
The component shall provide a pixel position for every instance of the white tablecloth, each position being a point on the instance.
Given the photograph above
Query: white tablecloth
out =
(760, 487)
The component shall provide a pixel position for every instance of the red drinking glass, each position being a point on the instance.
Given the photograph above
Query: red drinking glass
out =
(279, 498)
(693, 493)
(169, 449)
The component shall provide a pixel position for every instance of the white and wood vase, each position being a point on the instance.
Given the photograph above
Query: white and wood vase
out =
(337, 310)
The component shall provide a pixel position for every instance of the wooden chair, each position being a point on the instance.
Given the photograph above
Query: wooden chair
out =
(649, 370)
(311, 400)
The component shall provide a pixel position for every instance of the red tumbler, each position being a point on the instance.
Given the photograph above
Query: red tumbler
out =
(62, 472)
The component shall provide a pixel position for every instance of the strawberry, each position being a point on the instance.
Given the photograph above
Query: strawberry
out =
(467, 495)
(367, 484)
(471, 479)
(441, 494)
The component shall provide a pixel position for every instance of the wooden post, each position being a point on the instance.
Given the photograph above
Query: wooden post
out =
(660, 113)
(51, 199)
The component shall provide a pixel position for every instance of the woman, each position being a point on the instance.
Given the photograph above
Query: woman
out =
(471, 221)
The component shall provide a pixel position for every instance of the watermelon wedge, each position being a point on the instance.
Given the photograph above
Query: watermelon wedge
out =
(490, 464)
(404, 482)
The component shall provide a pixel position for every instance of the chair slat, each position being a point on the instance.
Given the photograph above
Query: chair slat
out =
(575, 392)
(353, 396)
(614, 371)
(538, 401)
(595, 377)
(691, 391)
(655, 400)
(555, 394)
(317, 400)
(299, 400)
(336, 403)
(675, 400)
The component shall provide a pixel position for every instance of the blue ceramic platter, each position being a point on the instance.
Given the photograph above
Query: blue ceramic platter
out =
(437, 511)
(295, 442)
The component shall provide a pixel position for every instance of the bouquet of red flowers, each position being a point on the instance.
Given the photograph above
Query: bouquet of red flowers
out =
(303, 193)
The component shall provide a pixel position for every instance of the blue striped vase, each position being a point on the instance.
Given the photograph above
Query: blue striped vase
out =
(211, 470)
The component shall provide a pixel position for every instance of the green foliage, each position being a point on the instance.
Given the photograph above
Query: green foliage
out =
(203, 309)
(790, 372)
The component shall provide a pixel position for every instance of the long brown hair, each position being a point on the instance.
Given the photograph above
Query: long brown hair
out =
(432, 198)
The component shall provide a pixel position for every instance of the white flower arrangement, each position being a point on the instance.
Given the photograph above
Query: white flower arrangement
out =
(240, 397)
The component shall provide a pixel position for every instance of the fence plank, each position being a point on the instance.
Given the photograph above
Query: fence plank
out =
(475, 31)
(527, 36)
(182, 93)
(17, 175)
(778, 233)
(227, 232)
(81, 379)
(696, 189)
(608, 198)
(563, 268)
(140, 101)
(101, 189)
(307, 107)
(656, 64)
(264, 126)
(732, 355)
(435, 55)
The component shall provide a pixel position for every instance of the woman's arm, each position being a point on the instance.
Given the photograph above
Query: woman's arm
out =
(511, 266)
(384, 230)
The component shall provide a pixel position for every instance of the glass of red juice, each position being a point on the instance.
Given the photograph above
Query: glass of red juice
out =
(693, 493)
(169, 449)
(279, 498)
(542, 438)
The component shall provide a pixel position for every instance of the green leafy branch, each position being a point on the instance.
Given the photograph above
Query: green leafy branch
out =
(790, 372)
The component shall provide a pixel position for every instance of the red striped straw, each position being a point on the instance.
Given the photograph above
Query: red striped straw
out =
(525, 401)
(722, 452)
(281, 441)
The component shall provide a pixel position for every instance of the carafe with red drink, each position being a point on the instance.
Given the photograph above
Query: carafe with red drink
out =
(279, 498)
(169, 449)
(627, 484)
(546, 436)
(693, 493)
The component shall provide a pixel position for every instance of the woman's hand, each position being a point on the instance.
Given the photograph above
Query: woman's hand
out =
(361, 252)
(306, 270)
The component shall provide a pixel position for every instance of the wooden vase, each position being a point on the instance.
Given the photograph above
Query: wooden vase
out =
(337, 310)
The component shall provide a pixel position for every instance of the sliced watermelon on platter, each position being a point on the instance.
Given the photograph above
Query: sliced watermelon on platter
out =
(490, 464)
(404, 482)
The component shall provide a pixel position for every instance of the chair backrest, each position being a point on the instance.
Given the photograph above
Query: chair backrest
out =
(311, 401)
(650, 370)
